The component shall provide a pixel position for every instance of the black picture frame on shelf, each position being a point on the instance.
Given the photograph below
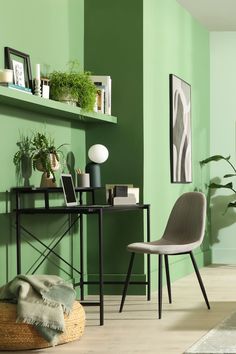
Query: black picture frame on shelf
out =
(180, 130)
(19, 62)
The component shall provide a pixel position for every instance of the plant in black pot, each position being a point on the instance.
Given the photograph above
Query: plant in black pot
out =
(22, 160)
(46, 158)
(73, 87)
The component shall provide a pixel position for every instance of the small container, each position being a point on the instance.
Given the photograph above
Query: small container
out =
(6, 76)
(83, 180)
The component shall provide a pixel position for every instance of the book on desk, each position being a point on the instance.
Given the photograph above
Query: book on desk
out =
(122, 194)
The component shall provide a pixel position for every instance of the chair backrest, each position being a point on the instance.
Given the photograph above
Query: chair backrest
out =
(186, 223)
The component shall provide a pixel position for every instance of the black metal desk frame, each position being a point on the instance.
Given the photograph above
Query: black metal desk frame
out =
(79, 210)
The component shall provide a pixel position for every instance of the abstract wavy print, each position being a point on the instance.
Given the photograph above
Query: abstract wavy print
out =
(180, 130)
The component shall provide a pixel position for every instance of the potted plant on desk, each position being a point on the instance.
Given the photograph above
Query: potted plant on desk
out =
(46, 158)
(22, 160)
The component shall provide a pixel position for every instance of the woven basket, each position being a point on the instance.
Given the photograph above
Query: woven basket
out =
(19, 336)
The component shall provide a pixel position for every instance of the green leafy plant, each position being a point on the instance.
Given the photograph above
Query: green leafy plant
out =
(229, 185)
(22, 158)
(37, 151)
(75, 83)
(41, 149)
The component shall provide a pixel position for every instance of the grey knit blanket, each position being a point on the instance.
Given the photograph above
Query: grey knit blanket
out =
(41, 301)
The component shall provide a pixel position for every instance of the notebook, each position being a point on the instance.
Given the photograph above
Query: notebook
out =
(68, 190)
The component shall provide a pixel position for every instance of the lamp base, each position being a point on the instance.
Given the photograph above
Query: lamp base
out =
(95, 175)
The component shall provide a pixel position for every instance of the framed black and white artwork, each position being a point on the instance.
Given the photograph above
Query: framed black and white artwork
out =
(20, 64)
(180, 130)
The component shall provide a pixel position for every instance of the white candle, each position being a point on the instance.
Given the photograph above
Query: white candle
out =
(37, 76)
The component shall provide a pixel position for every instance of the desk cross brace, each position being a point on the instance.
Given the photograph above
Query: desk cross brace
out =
(51, 250)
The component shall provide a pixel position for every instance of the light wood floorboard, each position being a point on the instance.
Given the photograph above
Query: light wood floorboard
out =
(137, 329)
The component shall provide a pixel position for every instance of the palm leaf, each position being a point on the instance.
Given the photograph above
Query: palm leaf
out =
(232, 205)
(215, 185)
(214, 158)
(230, 175)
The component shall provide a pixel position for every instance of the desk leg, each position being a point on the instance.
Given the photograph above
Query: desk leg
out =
(81, 257)
(101, 298)
(148, 257)
(18, 244)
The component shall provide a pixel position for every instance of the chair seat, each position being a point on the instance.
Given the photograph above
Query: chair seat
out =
(161, 246)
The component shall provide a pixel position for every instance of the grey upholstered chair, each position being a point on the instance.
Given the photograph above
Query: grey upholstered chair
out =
(184, 231)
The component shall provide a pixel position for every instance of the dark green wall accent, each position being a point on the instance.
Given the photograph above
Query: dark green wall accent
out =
(113, 46)
(139, 43)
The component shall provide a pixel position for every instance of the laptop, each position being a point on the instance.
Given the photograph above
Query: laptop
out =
(68, 190)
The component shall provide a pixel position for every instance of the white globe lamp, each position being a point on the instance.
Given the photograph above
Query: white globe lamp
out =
(97, 154)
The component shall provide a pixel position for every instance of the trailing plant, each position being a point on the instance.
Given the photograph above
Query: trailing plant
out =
(229, 185)
(23, 154)
(74, 82)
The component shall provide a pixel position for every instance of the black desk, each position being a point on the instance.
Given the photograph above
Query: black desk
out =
(79, 210)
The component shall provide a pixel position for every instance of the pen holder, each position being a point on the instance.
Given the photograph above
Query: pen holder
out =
(83, 180)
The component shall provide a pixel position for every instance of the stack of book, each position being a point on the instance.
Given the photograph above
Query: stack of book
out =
(16, 87)
(103, 98)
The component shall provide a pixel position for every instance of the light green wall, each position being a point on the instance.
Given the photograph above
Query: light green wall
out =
(51, 32)
(174, 43)
(146, 41)
(222, 138)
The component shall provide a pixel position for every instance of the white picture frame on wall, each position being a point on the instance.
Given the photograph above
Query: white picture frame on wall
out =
(180, 130)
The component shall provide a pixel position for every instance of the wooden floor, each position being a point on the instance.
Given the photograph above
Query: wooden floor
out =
(137, 329)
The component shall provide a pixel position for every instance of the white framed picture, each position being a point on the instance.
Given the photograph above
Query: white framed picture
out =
(180, 130)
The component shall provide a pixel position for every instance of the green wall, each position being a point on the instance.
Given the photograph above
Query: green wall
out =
(52, 34)
(222, 138)
(146, 41)
(138, 43)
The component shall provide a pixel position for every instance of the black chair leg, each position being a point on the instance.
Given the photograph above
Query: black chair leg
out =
(200, 280)
(127, 281)
(159, 285)
(168, 278)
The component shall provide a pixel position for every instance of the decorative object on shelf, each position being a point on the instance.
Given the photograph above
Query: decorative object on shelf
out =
(103, 96)
(6, 76)
(45, 88)
(98, 154)
(37, 81)
(22, 160)
(180, 130)
(37, 88)
(73, 87)
(19, 62)
(45, 157)
(16, 87)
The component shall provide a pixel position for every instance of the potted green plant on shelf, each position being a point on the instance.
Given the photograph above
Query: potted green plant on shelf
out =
(229, 185)
(22, 160)
(73, 87)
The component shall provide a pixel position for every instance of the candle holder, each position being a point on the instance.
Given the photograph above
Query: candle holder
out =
(37, 88)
